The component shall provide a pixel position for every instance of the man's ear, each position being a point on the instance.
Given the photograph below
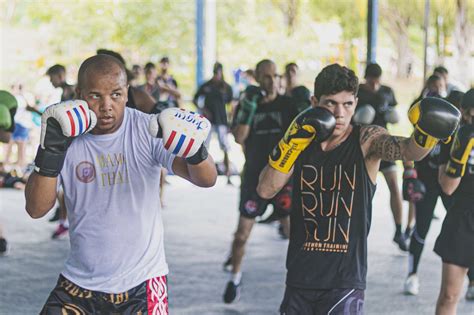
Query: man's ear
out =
(314, 101)
(78, 93)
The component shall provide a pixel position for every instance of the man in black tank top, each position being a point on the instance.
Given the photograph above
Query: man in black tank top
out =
(260, 121)
(455, 243)
(334, 166)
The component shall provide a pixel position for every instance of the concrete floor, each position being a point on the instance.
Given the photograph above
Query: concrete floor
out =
(198, 232)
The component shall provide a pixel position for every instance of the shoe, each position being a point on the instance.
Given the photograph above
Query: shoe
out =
(401, 242)
(232, 292)
(470, 292)
(60, 231)
(227, 266)
(55, 217)
(408, 232)
(3, 246)
(412, 285)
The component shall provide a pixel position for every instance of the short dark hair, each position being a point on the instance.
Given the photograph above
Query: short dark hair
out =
(217, 67)
(260, 64)
(149, 66)
(165, 59)
(289, 65)
(433, 78)
(56, 69)
(334, 79)
(373, 70)
(111, 53)
(441, 69)
(102, 63)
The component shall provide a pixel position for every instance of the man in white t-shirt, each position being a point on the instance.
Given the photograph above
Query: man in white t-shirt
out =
(110, 178)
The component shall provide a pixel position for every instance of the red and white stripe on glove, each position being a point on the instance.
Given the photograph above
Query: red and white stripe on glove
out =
(183, 131)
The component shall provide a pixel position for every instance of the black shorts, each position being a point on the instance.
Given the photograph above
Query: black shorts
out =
(455, 243)
(316, 302)
(387, 166)
(149, 297)
(252, 206)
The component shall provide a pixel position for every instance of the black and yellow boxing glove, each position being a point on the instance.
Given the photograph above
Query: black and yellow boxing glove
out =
(460, 151)
(312, 124)
(434, 119)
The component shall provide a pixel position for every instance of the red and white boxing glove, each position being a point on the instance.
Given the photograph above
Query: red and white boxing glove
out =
(60, 124)
(184, 133)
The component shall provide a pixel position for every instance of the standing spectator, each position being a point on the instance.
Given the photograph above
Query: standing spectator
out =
(382, 99)
(216, 93)
(23, 123)
(169, 93)
(57, 76)
(298, 92)
(150, 86)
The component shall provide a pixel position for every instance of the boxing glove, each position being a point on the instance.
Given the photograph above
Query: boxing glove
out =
(8, 106)
(312, 124)
(248, 105)
(391, 116)
(413, 189)
(460, 151)
(60, 124)
(183, 132)
(364, 115)
(434, 119)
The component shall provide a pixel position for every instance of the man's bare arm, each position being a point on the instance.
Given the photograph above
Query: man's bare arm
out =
(377, 143)
(241, 132)
(40, 193)
(203, 174)
(448, 184)
(271, 182)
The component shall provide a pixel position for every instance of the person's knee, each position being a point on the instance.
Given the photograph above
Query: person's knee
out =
(449, 296)
(241, 237)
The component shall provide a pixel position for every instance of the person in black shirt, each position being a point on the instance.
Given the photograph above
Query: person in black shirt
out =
(150, 86)
(57, 76)
(382, 99)
(334, 166)
(169, 92)
(455, 243)
(260, 121)
(215, 94)
(424, 171)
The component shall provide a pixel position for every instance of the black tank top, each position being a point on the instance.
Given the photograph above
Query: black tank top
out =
(330, 219)
(463, 196)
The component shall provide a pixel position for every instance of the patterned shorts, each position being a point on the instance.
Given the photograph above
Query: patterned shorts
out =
(149, 297)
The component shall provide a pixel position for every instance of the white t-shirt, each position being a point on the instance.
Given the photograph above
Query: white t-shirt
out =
(111, 185)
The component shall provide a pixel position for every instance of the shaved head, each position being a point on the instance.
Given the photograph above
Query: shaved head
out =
(102, 65)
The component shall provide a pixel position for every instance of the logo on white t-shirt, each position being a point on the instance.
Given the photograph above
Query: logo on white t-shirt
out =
(85, 172)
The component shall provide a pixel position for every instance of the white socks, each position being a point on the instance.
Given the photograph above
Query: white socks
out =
(236, 277)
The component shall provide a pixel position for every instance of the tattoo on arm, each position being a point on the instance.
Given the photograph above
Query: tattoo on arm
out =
(382, 145)
(390, 148)
(369, 132)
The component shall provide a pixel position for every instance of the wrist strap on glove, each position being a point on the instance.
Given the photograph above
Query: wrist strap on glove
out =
(48, 163)
(200, 156)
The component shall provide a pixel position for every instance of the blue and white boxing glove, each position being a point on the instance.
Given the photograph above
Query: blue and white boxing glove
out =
(60, 124)
(183, 132)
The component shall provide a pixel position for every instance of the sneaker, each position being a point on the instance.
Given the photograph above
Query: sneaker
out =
(3, 246)
(60, 231)
(55, 217)
(227, 266)
(412, 285)
(401, 242)
(470, 292)
(232, 292)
